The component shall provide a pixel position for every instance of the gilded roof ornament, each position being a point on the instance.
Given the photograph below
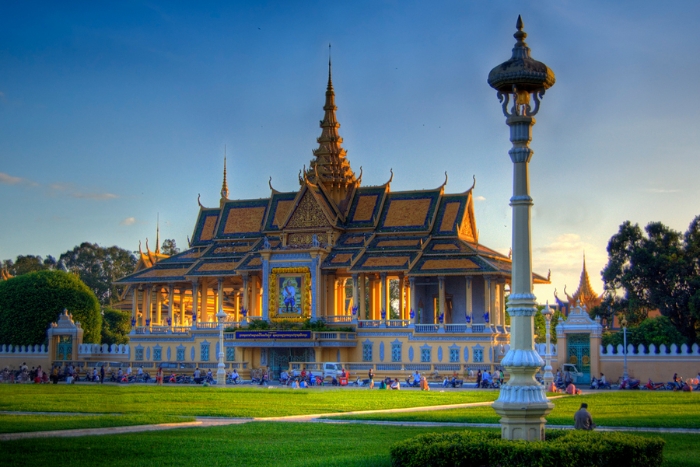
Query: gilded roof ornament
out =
(330, 167)
(224, 184)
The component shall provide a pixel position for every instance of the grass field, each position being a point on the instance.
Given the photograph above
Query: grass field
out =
(212, 401)
(610, 408)
(23, 423)
(260, 444)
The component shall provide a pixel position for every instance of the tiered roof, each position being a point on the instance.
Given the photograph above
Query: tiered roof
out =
(360, 229)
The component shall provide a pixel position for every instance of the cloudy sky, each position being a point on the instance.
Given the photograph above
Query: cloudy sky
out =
(113, 113)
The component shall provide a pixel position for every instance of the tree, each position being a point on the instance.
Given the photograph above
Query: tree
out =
(99, 267)
(115, 326)
(659, 270)
(29, 263)
(169, 247)
(31, 302)
(655, 331)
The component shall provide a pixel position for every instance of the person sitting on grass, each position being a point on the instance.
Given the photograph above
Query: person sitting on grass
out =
(571, 390)
(303, 384)
(424, 384)
(396, 385)
(583, 419)
(284, 377)
(382, 385)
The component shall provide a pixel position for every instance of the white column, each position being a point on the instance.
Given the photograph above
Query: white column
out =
(246, 280)
(414, 307)
(204, 301)
(355, 295)
(383, 296)
(171, 292)
(219, 294)
(134, 304)
(147, 309)
(362, 310)
(469, 300)
(441, 298)
(195, 305)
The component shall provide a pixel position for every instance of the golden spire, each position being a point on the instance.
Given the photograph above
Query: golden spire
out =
(585, 293)
(224, 185)
(330, 167)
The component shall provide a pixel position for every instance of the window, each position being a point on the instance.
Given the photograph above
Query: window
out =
(180, 354)
(139, 354)
(396, 352)
(454, 355)
(367, 352)
(157, 354)
(230, 354)
(204, 352)
(425, 354)
(478, 355)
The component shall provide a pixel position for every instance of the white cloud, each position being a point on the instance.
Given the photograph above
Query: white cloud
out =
(564, 257)
(480, 198)
(94, 196)
(128, 221)
(10, 180)
(661, 190)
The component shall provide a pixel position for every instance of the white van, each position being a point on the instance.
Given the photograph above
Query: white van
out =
(332, 370)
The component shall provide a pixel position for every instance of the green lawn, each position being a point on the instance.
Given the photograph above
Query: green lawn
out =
(616, 408)
(260, 444)
(212, 401)
(22, 423)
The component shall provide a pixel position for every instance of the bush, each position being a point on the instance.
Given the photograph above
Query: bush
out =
(562, 447)
(31, 302)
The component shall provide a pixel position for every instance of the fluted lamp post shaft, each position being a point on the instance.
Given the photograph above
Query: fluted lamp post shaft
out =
(522, 402)
(221, 367)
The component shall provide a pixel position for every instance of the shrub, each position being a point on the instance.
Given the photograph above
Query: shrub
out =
(579, 448)
(31, 302)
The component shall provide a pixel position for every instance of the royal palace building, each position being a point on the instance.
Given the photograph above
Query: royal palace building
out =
(333, 272)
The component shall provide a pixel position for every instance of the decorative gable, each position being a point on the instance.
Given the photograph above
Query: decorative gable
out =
(308, 214)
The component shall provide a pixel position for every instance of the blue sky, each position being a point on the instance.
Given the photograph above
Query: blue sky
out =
(111, 113)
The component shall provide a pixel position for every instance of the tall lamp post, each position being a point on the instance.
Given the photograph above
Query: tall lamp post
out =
(623, 323)
(221, 372)
(548, 376)
(522, 402)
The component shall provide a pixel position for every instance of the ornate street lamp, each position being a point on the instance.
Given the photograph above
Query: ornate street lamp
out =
(522, 403)
(221, 372)
(623, 323)
(548, 376)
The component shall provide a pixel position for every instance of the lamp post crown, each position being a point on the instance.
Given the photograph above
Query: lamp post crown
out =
(521, 71)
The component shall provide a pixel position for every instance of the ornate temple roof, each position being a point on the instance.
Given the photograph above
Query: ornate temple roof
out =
(357, 229)
(585, 295)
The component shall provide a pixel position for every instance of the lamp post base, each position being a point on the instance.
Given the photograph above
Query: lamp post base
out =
(522, 421)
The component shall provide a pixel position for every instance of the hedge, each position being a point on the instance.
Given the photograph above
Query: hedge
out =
(562, 447)
(31, 302)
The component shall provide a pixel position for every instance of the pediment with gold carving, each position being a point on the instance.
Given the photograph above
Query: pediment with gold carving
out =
(308, 214)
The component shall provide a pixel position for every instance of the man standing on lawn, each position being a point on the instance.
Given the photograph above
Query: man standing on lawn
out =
(582, 419)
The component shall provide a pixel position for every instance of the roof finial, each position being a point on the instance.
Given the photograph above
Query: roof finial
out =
(224, 185)
(158, 233)
(329, 64)
(519, 23)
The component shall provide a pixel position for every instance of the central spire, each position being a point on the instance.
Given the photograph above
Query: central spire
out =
(224, 184)
(330, 167)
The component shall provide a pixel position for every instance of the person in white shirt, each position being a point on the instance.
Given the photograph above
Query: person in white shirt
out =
(140, 371)
(234, 376)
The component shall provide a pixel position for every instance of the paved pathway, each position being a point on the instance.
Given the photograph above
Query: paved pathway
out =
(205, 422)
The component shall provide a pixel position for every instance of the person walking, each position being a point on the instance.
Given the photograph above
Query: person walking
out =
(102, 374)
(159, 376)
(371, 378)
(583, 419)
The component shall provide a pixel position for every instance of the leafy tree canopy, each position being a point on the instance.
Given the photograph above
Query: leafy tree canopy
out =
(115, 326)
(29, 263)
(656, 269)
(655, 331)
(31, 302)
(169, 247)
(99, 267)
